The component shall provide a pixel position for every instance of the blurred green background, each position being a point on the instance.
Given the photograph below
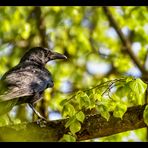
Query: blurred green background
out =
(85, 35)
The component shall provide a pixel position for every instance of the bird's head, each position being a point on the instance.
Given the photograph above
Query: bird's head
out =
(41, 55)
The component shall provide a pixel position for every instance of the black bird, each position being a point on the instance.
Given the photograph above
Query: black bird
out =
(26, 82)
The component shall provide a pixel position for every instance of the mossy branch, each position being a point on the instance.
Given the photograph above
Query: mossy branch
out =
(94, 126)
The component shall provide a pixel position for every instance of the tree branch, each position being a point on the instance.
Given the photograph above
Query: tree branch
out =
(94, 126)
(125, 41)
(40, 24)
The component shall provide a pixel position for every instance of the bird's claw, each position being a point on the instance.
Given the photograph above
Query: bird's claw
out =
(42, 122)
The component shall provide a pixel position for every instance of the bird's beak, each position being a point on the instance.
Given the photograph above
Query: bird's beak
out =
(56, 55)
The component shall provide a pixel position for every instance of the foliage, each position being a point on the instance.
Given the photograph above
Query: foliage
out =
(103, 100)
(100, 76)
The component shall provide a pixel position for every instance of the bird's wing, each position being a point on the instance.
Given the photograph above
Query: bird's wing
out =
(15, 93)
(25, 80)
(15, 84)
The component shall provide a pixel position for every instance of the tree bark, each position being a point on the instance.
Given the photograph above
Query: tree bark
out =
(94, 126)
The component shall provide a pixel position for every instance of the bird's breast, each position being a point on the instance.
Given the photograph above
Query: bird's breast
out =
(42, 79)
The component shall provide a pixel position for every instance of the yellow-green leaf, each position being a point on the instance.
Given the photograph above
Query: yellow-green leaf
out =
(67, 138)
(75, 127)
(70, 121)
(80, 116)
(119, 111)
(68, 110)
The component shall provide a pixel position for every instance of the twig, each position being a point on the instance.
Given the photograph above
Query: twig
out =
(98, 86)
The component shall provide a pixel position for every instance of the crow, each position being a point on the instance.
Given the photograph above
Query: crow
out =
(26, 82)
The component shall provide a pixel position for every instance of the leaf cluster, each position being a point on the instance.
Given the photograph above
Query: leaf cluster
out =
(109, 96)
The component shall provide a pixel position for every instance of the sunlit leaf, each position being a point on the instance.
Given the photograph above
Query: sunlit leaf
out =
(138, 86)
(63, 102)
(97, 97)
(83, 99)
(80, 116)
(119, 111)
(115, 97)
(70, 121)
(103, 111)
(67, 138)
(68, 110)
(75, 127)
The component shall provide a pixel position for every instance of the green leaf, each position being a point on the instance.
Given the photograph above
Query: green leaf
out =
(123, 91)
(97, 97)
(145, 115)
(89, 92)
(92, 102)
(67, 138)
(115, 97)
(138, 86)
(129, 79)
(119, 111)
(75, 127)
(80, 116)
(81, 102)
(139, 99)
(68, 110)
(80, 93)
(83, 99)
(106, 115)
(132, 97)
(103, 111)
(62, 103)
(70, 121)
(86, 99)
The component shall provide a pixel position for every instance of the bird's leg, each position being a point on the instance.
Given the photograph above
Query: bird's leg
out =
(36, 112)
(42, 121)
